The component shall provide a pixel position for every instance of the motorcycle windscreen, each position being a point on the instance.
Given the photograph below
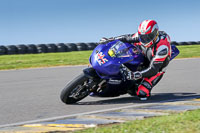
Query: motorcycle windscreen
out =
(107, 58)
(120, 50)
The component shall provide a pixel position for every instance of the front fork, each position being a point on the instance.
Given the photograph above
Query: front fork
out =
(94, 79)
(91, 73)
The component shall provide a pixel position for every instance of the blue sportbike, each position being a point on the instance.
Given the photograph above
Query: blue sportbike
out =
(106, 76)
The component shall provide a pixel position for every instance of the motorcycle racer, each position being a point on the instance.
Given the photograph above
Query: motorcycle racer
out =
(155, 46)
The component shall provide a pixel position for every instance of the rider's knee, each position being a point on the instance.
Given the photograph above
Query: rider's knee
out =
(143, 91)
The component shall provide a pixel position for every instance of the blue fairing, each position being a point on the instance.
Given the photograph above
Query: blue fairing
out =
(175, 52)
(106, 65)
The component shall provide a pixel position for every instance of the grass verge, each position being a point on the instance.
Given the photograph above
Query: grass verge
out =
(44, 60)
(187, 122)
(189, 51)
(69, 58)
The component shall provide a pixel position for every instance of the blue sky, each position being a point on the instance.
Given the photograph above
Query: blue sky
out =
(55, 21)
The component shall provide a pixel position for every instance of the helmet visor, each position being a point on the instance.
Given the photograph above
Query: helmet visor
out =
(146, 38)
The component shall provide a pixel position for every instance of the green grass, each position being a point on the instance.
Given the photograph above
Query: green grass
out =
(188, 122)
(44, 60)
(69, 58)
(189, 51)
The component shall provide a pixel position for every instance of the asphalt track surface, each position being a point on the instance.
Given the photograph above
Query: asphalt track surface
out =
(33, 94)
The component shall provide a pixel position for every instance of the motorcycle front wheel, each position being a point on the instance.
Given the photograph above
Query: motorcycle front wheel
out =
(75, 90)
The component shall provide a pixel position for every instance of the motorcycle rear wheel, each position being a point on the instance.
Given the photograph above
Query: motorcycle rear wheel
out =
(76, 86)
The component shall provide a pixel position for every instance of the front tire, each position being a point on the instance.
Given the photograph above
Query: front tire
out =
(76, 86)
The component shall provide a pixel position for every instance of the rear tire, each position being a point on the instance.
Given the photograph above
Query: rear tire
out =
(73, 86)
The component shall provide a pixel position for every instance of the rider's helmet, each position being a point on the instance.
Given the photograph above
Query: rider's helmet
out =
(148, 32)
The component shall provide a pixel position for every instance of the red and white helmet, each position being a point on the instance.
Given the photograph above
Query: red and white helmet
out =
(148, 32)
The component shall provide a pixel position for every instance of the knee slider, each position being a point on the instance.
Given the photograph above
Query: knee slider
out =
(142, 93)
(147, 85)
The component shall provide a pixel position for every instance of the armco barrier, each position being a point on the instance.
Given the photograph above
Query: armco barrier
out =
(60, 47)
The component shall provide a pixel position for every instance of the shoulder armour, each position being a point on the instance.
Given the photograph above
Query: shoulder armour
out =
(162, 51)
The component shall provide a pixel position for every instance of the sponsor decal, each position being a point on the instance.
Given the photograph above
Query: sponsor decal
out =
(101, 58)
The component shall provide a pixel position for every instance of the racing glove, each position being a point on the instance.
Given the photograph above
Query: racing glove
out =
(105, 40)
(127, 38)
(134, 75)
(129, 74)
